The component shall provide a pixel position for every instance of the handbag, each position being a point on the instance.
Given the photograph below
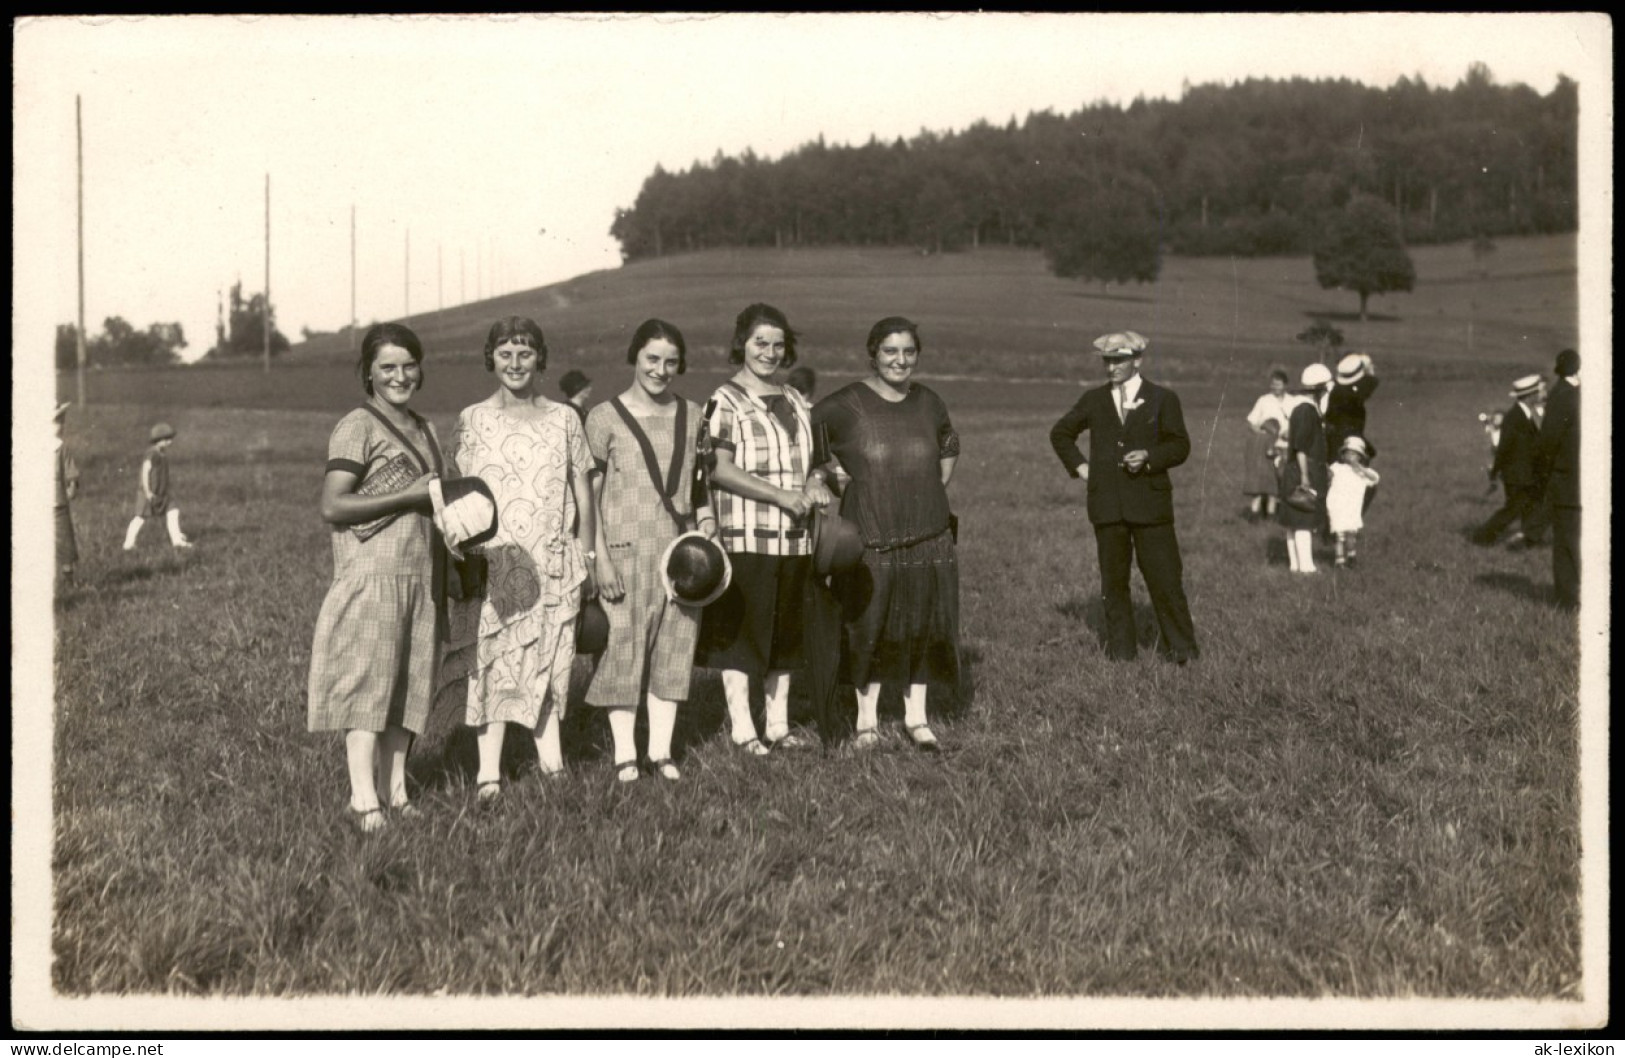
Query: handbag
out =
(1303, 498)
(392, 475)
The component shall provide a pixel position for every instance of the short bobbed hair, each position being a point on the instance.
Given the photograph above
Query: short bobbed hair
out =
(1280, 373)
(520, 329)
(894, 325)
(1568, 364)
(745, 325)
(651, 329)
(380, 335)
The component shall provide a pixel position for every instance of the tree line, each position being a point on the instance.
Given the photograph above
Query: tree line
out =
(1250, 169)
(239, 334)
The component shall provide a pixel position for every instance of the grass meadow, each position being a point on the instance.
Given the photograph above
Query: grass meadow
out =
(1367, 787)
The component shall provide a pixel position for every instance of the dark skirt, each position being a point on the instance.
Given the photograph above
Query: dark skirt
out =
(901, 611)
(1259, 476)
(67, 549)
(756, 626)
(1290, 516)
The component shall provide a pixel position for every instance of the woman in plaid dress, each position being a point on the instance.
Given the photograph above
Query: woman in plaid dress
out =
(514, 647)
(372, 665)
(764, 484)
(650, 653)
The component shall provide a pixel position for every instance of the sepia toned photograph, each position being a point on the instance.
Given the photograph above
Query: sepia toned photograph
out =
(819, 521)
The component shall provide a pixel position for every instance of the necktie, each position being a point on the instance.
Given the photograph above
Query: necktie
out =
(1122, 402)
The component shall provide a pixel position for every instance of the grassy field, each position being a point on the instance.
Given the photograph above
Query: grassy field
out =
(1366, 788)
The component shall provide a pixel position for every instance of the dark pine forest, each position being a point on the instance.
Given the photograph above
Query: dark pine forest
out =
(1250, 169)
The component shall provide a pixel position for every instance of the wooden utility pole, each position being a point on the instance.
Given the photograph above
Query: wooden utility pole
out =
(352, 276)
(462, 277)
(266, 316)
(79, 148)
(408, 275)
(440, 274)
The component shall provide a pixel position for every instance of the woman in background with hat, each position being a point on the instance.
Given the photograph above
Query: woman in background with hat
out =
(514, 647)
(1303, 478)
(643, 445)
(765, 483)
(1345, 405)
(893, 438)
(377, 642)
(1516, 466)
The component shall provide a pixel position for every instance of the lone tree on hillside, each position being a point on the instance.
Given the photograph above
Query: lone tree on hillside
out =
(1362, 251)
(1111, 235)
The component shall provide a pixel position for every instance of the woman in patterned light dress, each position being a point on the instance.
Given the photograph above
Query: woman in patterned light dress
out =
(651, 637)
(514, 647)
(376, 649)
(1267, 426)
(892, 438)
(763, 486)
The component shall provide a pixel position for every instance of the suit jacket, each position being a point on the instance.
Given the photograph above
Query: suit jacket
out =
(1517, 457)
(1559, 459)
(1345, 410)
(1156, 424)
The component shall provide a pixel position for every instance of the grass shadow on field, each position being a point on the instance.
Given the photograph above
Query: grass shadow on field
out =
(1092, 296)
(1517, 584)
(1350, 317)
(1092, 612)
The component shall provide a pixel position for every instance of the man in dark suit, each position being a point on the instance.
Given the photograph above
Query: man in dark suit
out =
(1559, 463)
(1517, 457)
(1136, 433)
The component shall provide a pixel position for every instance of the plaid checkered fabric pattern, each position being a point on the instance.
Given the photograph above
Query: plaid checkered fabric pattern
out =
(743, 425)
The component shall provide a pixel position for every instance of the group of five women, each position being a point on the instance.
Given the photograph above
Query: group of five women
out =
(585, 510)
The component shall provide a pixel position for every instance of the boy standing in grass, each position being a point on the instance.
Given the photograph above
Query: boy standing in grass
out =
(67, 486)
(152, 494)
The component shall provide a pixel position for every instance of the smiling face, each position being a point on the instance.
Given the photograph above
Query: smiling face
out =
(764, 351)
(514, 363)
(395, 376)
(656, 366)
(895, 359)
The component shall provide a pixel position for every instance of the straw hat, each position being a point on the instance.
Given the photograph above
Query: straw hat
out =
(1351, 369)
(61, 410)
(695, 570)
(1527, 386)
(837, 546)
(465, 512)
(1355, 444)
(1314, 376)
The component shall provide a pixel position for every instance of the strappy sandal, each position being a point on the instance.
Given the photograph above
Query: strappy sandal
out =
(666, 768)
(867, 740)
(791, 740)
(627, 771)
(407, 810)
(924, 745)
(754, 748)
(488, 791)
(369, 820)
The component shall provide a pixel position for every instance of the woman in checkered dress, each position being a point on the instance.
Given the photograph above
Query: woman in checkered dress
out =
(513, 648)
(650, 653)
(764, 485)
(376, 649)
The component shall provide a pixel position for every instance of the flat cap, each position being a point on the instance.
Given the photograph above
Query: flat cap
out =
(1121, 343)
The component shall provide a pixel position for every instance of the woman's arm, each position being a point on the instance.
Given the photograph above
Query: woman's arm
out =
(587, 530)
(342, 506)
(946, 464)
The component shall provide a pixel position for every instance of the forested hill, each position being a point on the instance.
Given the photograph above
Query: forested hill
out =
(1248, 169)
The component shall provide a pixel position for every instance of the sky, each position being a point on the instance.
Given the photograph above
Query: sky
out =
(482, 155)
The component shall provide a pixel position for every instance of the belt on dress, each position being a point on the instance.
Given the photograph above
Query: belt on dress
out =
(883, 548)
(767, 534)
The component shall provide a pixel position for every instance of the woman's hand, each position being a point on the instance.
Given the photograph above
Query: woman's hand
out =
(589, 587)
(818, 493)
(796, 502)
(609, 578)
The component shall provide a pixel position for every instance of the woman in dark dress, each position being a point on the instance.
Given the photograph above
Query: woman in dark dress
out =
(894, 442)
(1305, 465)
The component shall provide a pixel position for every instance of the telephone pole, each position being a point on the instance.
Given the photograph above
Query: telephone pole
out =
(79, 148)
(267, 313)
(352, 276)
(408, 275)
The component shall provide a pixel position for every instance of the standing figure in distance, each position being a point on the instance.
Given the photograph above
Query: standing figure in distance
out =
(1136, 434)
(1346, 498)
(152, 493)
(1261, 472)
(1517, 455)
(1560, 467)
(577, 389)
(1306, 467)
(67, 487)
(1344, 408)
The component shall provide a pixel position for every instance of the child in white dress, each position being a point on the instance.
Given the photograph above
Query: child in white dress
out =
(1347, 496)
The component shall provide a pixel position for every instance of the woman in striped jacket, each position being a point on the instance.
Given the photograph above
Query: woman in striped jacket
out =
(764, 486)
